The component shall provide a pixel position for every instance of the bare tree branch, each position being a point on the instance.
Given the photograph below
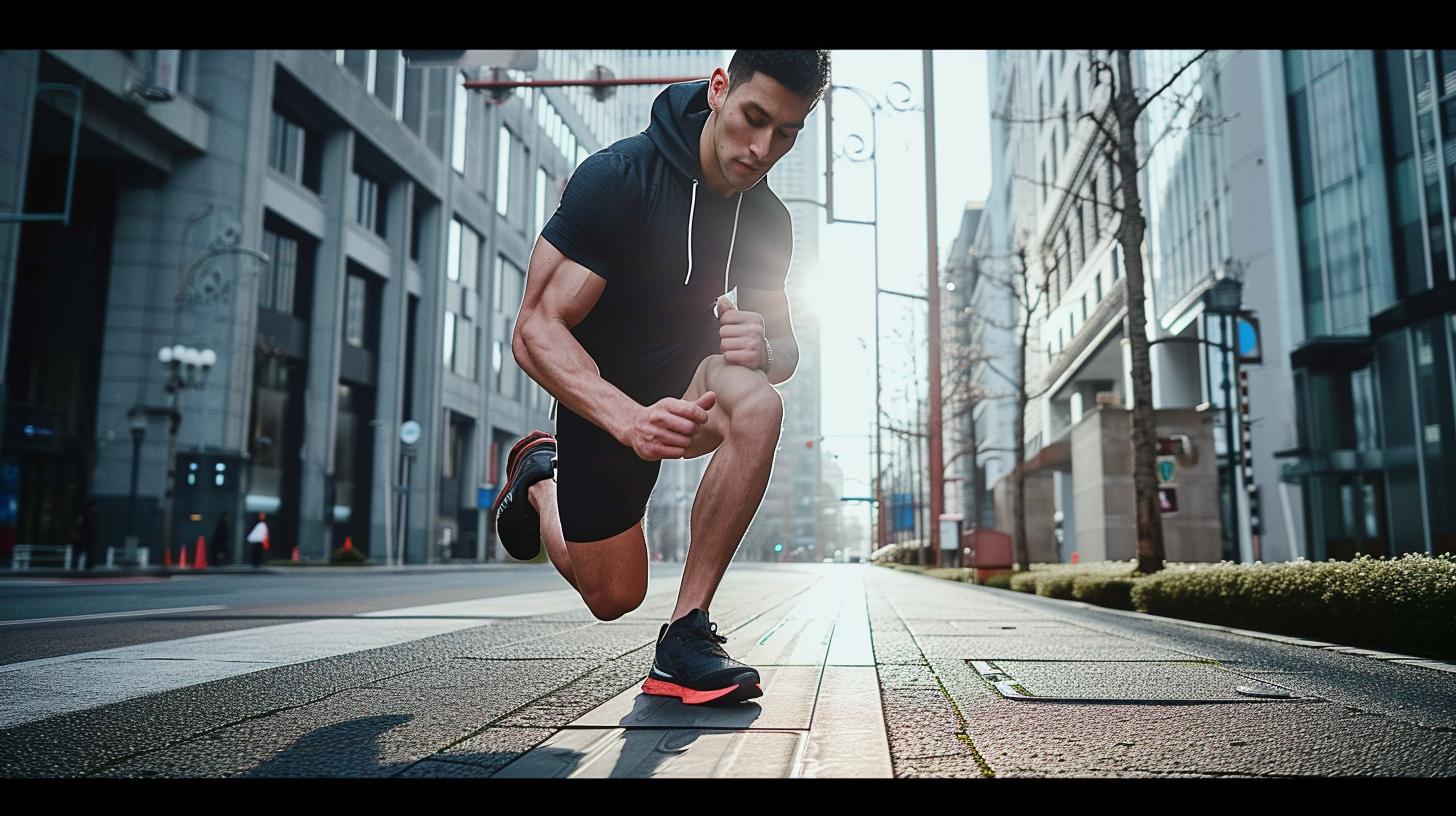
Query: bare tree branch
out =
(1154, 95)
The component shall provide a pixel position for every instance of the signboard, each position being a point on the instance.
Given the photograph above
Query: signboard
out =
(903, 515)
(1167, 466)
(485, 496)
(1168, 500)
(950, 531)
(409, 432)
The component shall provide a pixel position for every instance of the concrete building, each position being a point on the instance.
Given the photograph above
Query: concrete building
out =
(348, 234)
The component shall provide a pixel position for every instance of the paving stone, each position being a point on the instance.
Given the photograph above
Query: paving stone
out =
(587, 643)
(630, 752)
(363, 732)
(1132, 681)
(494, 748)
(1042, 645)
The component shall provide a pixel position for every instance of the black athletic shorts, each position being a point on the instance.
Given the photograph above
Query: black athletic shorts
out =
(602, 486)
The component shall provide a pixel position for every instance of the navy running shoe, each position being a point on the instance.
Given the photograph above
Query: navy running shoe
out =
(517, 525)
(691, 665)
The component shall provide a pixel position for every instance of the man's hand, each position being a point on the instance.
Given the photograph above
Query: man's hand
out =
(741, 335)
(665, 429)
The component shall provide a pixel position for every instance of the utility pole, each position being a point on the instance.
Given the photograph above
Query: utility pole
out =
(937, 455)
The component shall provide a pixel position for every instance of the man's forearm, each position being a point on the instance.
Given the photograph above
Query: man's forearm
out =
(547, 351)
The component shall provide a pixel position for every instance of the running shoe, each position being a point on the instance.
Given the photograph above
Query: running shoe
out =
(517, 525)
(691, 665)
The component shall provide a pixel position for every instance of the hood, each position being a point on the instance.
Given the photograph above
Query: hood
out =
(678, 116)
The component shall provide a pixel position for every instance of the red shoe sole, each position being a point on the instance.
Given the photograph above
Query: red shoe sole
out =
(696, 697)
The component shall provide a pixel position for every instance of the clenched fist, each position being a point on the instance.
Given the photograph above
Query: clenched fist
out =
(665, 429)
(741, 335)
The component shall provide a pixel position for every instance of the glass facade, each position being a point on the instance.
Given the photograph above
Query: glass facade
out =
(1372, 158)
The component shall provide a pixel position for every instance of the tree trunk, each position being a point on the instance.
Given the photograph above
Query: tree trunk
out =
(1130, 235)
(1018, 541)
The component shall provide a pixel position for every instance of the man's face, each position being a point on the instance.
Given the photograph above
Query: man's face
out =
(757, 122)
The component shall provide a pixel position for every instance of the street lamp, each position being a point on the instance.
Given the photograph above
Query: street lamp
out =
(1223, 299)
(897, 98)
(136, 418)
(186, 367)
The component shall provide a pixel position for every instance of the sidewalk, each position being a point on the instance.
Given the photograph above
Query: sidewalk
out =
(866, 672)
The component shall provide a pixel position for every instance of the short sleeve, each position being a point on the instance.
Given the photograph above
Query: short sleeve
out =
(596, 221)
(766, 263)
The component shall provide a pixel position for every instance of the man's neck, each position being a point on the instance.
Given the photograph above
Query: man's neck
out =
(708, 160)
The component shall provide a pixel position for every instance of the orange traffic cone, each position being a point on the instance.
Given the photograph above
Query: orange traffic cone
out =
(201, 553)
(348, 543)
(295, 552)
(183, 562)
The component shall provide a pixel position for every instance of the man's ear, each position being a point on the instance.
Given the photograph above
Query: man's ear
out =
(717, 89)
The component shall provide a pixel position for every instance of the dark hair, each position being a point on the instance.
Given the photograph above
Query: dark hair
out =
(806, 73)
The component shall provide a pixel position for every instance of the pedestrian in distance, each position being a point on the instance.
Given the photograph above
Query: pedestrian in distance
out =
(258, 540)
(627, 322)
(220, 543)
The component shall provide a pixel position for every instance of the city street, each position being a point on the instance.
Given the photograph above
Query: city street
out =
(501, 671)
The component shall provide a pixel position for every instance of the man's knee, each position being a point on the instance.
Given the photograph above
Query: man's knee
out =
(610, 603)
(759, 411)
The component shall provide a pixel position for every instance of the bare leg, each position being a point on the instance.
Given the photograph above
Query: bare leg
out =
(543, 498)
(734, 483)
(610, 574)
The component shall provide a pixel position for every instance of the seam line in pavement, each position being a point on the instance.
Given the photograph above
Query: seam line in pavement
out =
(962, 733)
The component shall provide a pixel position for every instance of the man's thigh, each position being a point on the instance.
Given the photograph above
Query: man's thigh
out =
(732, 384)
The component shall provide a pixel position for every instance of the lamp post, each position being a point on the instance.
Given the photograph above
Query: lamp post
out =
(186, 367)
(1224, 300)
(896, 99)
(137, 419)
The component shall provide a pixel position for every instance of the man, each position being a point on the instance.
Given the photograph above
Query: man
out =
(626, 322)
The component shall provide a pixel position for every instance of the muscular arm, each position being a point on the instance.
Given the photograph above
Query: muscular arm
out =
(559, 294)
(773, 304)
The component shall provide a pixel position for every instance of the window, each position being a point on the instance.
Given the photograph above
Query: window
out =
(369, 208)
(276, 284)
(449, 347)
(1116, 264)
(388, 73)
(413, 80)
(355, 296)
(503, 172)
(543, 183)
(285, 147)
(357, 63)
(461, 130)
(452, 262)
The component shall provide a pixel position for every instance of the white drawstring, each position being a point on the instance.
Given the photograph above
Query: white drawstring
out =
(691, 207)
(733, 239)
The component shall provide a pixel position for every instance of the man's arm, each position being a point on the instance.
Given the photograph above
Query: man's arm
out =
(773, 305)
(559, 294)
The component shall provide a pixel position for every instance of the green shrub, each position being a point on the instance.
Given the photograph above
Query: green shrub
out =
(1113, 592)
(1001, 580)
(1023, 582)
(1057, 585)
(1397, 604)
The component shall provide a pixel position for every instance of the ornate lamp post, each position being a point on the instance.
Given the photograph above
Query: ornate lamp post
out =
(186, 368)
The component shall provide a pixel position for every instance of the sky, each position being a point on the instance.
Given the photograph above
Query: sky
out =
(844, 277)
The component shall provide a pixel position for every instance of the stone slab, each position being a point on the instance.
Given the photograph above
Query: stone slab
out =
(787, 703)
(600, 753)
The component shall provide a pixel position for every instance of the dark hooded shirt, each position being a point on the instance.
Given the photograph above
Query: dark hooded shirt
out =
(639, 215)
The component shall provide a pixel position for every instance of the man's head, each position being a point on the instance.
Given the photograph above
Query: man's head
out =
(759, 105)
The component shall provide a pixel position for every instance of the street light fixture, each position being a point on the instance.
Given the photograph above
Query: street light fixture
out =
(186, 367)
